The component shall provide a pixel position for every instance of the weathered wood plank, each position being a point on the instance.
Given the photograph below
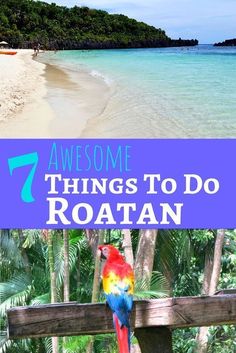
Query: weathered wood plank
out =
(226, 291)
(69, 319)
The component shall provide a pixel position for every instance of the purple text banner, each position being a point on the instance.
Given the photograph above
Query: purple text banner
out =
(118, 183)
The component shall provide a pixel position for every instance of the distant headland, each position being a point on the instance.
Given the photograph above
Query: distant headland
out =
(26, 23)
(226, 43)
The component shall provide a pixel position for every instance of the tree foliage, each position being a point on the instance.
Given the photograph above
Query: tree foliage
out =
(23, 23)
(179, 262)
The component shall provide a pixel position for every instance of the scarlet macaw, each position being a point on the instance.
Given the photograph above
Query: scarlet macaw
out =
(118, 285)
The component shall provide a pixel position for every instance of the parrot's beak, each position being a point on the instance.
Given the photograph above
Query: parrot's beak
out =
(99, 254)
(103, 257)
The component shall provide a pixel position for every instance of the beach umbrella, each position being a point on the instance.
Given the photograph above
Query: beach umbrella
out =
(3, 43)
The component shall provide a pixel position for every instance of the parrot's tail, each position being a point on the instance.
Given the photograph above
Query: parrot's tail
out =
(123, 335)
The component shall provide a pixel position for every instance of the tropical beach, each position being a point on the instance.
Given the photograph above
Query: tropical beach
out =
(64, 82)
(175, 92)
(83, 75)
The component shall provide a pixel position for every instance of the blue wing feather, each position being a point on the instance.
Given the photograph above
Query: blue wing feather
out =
(121, 304)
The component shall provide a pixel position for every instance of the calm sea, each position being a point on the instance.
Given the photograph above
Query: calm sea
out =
(170, 92)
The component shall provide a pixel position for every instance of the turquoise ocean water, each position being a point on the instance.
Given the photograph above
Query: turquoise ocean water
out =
(170, 92)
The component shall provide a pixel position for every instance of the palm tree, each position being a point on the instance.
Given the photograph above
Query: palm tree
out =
(178, 269)
(214, 274)
(66, 266)
(127, 246)
(18, 278)
(145, 255)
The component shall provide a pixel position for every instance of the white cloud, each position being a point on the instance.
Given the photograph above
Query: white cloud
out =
(208, 20)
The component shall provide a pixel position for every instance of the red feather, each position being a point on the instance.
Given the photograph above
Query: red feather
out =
(116, 262)
(122, 336)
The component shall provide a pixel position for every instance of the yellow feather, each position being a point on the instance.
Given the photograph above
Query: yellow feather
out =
(112, 283)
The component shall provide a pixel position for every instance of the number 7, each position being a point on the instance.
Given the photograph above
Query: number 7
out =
(22, 161)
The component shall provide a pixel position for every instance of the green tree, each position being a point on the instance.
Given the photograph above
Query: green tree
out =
(25, 22)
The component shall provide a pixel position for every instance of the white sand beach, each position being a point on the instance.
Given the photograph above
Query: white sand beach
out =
(23, 110)
(40, 100)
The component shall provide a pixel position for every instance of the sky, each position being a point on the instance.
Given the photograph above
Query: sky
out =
(209, 21)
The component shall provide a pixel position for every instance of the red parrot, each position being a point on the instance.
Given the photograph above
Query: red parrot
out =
(118, 285)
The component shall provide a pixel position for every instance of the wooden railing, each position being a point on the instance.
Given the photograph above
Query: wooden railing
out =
(151, 320)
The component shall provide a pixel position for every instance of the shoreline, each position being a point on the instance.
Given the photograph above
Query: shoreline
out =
(24, 111)
(76, 97)
(43, 100)
(66, 95)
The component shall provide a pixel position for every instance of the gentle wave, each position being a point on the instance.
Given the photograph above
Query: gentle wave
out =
(98, 74)
(163, 92)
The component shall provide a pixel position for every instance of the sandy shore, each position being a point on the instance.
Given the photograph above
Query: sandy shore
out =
(76, 97)
(23, 112)
(40, 100)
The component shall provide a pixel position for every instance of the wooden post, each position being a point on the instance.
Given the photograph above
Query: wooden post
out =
(154, 339)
